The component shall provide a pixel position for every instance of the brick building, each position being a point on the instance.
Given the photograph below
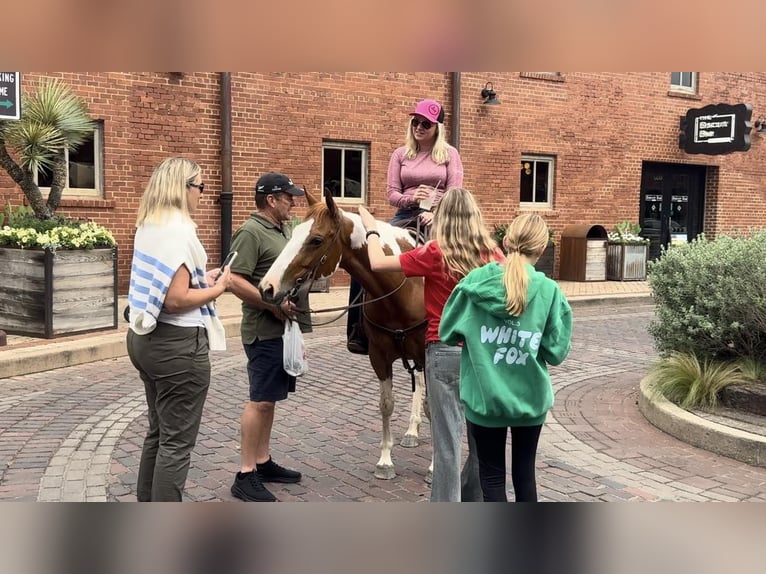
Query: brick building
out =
(580, 147)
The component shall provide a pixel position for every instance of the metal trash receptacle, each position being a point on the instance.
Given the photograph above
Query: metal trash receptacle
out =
(583, 253)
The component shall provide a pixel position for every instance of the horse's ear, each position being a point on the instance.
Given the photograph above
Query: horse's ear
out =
(310, 199)
(330, 203)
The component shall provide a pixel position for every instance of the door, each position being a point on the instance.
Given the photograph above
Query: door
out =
(672, 204)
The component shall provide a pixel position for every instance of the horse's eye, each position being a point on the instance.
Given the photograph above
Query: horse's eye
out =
(316, 240)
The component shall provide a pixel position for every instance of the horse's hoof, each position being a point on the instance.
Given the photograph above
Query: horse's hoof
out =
(429, 478)
(385, 472)
(409, 441)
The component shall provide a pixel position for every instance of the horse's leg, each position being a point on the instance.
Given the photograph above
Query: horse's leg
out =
(385, 467)
(410, 438)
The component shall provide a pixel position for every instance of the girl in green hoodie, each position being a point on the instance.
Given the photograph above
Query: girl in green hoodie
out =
(513, 322)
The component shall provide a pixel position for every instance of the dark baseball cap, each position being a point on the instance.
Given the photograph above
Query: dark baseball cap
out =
(273, 182)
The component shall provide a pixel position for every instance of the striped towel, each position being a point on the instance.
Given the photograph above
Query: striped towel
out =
(159, 250)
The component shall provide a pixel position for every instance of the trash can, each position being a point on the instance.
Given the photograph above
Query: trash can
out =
(583, 253)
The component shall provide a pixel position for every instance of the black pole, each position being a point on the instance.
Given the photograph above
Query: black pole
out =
(455, 111)
(227, 195)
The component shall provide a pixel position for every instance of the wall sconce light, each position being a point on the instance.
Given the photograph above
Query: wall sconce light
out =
(489, 95)
(760, 125)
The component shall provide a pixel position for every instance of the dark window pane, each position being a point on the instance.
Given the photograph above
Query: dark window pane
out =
(332, 174)
(527, 172)
(44, 178)
(352, 185)
(541, 182)
(675, 78)
(82, 167)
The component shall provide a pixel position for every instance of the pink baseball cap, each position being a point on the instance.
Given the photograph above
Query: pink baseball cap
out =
(429, 109)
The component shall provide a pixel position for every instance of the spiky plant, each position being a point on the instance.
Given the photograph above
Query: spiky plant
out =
(53, 119)
(754, 371)
(683, 379)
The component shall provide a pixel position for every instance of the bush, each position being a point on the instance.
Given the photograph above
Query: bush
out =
(711, 298)
(20, 228)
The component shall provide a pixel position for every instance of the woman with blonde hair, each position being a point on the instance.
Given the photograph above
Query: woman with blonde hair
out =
(513, 322)
(173, 324)
(461, 243)
(419, 173)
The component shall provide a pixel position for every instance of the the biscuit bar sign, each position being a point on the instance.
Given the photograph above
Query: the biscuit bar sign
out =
(716, 129)
(10, 102)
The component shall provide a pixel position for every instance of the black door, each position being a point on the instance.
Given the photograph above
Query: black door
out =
(672, 204)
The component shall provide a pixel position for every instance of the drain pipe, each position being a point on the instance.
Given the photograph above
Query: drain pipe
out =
(227, 195)
(455, 134)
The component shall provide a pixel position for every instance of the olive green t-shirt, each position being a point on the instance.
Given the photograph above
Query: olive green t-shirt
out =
(258, 243)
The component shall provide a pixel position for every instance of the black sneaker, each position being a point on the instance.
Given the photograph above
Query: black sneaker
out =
(248, 487)
(270, 471)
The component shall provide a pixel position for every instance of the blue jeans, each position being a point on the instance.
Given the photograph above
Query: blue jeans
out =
(447, 422)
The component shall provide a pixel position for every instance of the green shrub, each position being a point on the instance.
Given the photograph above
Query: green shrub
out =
(711, 298)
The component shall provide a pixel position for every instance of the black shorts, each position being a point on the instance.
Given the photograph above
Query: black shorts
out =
(269, 381)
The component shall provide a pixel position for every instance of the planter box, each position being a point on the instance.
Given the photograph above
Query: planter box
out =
(545, 263)
(626, 262)
(47, 294)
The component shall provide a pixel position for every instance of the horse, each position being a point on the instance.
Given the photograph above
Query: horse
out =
(393, 311)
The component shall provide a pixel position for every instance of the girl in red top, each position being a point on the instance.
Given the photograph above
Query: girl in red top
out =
(461, 243)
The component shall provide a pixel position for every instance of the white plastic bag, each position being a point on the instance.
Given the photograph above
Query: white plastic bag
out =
(294, 350)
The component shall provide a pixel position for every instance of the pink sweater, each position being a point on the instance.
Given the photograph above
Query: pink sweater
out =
(405, 175)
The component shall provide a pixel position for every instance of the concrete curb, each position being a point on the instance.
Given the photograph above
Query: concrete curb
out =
(708, 435)
(628, 298)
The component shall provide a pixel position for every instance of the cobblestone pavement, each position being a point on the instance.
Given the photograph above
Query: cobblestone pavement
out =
(75, 433)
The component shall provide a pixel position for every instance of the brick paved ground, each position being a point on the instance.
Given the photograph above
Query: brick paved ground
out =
(75, 433)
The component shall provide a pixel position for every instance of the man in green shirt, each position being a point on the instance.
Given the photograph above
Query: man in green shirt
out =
(258, 242)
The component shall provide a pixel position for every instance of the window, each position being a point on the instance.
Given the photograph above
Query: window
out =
(344, 170)
(683, 82)
(84, 168)
(536, 189)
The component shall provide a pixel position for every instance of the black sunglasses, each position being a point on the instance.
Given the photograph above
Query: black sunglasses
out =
(201, 186)
(425, 123)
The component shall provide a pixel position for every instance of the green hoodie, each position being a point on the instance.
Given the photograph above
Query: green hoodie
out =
(504, 378)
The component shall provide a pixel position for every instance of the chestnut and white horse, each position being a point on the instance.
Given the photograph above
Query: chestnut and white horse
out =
(394, 315)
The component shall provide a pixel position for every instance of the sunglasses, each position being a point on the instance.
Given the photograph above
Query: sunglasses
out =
(425, 123)
(201, 186)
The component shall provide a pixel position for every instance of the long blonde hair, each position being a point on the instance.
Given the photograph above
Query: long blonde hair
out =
(166, 192)
(526, 235)
(459, 230)
(440, 151)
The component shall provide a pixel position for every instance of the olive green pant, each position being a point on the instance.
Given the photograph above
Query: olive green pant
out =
(174, 365)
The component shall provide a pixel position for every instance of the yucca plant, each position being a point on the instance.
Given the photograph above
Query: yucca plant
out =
(683, 379)
(53, 119)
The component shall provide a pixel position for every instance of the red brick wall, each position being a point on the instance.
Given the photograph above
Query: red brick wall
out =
(599, 126)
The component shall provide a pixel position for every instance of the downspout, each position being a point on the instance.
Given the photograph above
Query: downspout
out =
(227, 195)
(455, 133)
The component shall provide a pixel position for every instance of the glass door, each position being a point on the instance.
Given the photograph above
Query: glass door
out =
(672, 204)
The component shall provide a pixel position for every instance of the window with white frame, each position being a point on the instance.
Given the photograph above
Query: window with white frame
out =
(536, 187)
(683, 82)
(84, 168)
(344, 170)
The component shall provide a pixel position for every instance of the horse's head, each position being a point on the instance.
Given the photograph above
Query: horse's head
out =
(313, 252)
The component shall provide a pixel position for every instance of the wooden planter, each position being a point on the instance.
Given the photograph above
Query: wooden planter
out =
(47, 294)
(545, 263)
(626, 262)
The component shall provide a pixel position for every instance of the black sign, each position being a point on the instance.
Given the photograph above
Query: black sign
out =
(716, 129)
(10, 101)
